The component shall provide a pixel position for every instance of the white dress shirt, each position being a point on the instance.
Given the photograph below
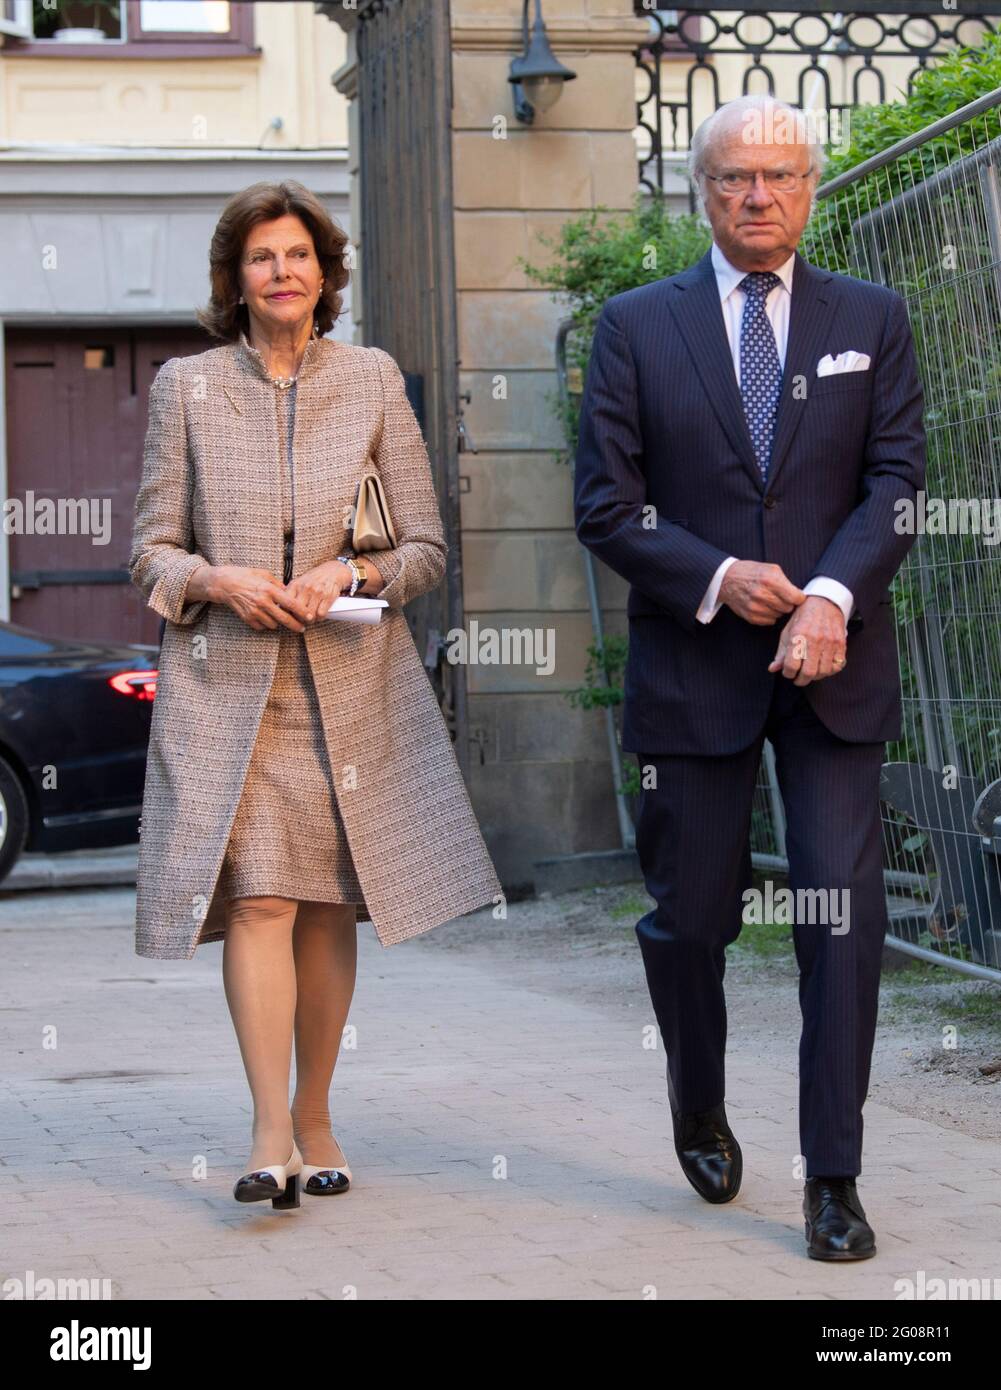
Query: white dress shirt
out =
(732, 298)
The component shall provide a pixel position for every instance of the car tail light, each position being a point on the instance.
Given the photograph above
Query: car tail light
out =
(141, 685)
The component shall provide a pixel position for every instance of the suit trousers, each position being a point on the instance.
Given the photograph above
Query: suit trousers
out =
(693, 842)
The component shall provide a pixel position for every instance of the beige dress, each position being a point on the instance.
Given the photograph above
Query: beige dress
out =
(287, 837)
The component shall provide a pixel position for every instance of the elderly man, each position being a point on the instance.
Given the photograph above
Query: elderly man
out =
(747, 429)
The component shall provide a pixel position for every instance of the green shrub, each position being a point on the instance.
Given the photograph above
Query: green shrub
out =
(601, 254)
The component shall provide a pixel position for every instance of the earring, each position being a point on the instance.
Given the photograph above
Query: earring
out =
(240, 301)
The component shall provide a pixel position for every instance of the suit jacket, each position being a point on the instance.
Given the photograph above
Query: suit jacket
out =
(210, 493)
(663, 427)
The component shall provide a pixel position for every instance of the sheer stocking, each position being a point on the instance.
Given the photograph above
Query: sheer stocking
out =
(259, 978)
(325, 943)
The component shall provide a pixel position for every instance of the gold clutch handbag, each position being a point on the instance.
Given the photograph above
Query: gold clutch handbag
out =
(373, 528)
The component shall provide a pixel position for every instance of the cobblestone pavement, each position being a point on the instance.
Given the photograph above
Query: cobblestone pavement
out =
(506, 1143)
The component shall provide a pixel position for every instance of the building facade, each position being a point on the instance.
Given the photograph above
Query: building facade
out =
(116, 153)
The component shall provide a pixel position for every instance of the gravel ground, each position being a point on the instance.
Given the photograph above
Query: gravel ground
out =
(582, 945)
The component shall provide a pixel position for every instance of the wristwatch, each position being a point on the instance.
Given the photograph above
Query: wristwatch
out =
(358, 570)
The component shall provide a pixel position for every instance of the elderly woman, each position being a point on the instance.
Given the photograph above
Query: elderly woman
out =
(300, 774)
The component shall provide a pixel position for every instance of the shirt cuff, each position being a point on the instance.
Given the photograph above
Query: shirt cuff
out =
(710, 604)
(835, 591)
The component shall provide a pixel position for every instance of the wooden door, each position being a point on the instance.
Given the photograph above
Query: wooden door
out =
(76, 420)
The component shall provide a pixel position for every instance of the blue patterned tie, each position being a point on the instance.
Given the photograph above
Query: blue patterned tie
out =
(760, 370)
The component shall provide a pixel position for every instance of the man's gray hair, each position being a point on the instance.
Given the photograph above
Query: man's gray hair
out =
(748, 110)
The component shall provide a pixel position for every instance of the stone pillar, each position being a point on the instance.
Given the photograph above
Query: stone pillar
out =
(345, 80)
(540, 778)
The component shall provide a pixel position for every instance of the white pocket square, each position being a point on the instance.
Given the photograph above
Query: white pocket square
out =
(850, 361)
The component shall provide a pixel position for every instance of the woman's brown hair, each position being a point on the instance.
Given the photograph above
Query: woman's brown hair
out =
(224, 316)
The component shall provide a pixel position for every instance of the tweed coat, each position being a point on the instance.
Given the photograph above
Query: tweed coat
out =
(210, 493)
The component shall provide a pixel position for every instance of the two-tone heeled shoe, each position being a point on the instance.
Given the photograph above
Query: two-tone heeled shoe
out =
(279, 1181)
(325, 1182)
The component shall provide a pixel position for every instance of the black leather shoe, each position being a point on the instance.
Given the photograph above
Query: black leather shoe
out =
(836, 1228)
(710, 1155)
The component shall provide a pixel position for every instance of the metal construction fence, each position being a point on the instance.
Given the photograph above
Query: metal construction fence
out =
(924, 217)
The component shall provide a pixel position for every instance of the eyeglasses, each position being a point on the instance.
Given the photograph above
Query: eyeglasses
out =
(778, 180)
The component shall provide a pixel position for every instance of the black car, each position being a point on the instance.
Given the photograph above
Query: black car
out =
(74, 725)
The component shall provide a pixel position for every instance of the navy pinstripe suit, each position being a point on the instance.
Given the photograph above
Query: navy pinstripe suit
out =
(662, 426)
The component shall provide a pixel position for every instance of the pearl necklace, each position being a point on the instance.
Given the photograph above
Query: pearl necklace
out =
(285, 383)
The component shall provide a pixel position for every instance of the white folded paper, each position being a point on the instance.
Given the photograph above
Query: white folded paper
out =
(356, 610)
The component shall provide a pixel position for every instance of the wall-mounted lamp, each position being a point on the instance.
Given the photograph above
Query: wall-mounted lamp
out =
(538, 75)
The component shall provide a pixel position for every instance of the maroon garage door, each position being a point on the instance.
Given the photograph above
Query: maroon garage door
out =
(76, 419)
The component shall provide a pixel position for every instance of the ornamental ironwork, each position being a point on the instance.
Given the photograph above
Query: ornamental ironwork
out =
(811, 39)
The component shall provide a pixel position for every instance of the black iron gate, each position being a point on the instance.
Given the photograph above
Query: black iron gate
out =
(407, 270)
(834, 56)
